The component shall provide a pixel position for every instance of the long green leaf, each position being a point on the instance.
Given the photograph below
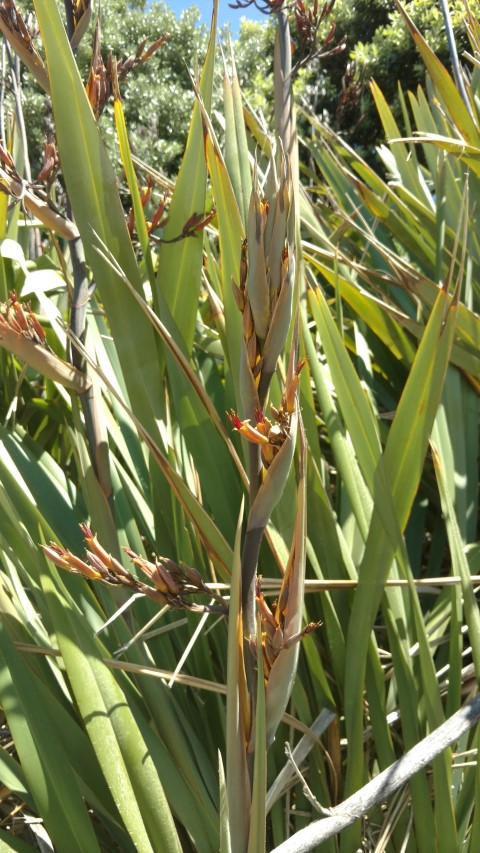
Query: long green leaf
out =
(396, 483)
(238, 783)
(93, 194)
(121, 750)
(43, 758)
(180, 263)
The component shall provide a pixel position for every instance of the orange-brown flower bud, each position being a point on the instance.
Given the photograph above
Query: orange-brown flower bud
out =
(246, 429)
(248, 327)
(268, 454)
(252, 351)
(291, 390)
(163, 576)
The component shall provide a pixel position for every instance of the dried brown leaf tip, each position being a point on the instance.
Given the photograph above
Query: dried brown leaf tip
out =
(275, 635)
(168, 582)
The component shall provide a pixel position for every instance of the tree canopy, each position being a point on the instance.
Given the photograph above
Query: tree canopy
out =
(158, 96)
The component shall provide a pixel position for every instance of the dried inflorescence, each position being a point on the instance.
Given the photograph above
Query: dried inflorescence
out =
(309, 43)
(21, 320)
(307, 20)
(22, 334)
(13, 185)
(275, 635)
(102, 78)
(169, 583)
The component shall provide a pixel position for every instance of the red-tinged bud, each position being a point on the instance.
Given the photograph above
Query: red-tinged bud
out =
(197, 222)
(157, 218)
(12, 322)
(330, 34)
(263, 424)
(19, 313)
(150, 570)
(36, 327)
(125, 66)
(145, 565)
(189, 224)
(234, 419)
(65, 560)
(118, 570)
(146, 194)
(291, 390)
(295, 638)
(140, 48)
(97, 564)
(206, 220)
(92, 542)
(56, 555)
(80, 566)
(246, 429)
(88, 572)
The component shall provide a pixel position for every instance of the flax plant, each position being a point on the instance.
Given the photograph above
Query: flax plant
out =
(249, 348)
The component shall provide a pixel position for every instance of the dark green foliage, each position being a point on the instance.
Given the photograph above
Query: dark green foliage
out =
(158, 97)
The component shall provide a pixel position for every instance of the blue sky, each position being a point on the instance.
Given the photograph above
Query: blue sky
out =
(225, 14)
